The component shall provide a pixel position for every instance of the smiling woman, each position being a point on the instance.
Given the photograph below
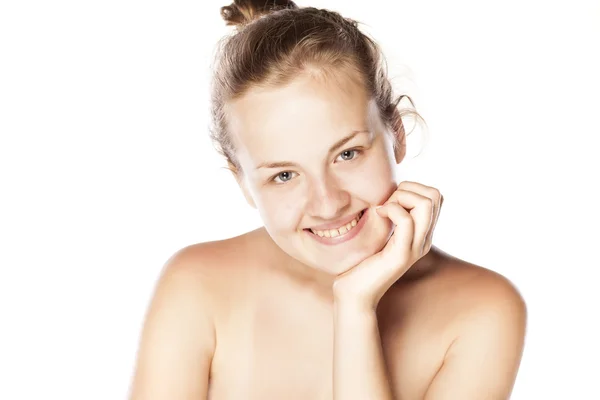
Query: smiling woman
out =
(365, 306)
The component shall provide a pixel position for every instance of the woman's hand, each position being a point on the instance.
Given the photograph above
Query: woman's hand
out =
(414, 209)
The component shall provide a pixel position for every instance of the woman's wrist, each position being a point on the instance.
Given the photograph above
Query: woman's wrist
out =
(348, 305)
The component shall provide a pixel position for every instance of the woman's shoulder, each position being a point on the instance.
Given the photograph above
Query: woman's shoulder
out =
(449, 310)
(180, 323)
(450, 293)
(455, 292)
(211, 258)
(470, 285)
(481, 315)
(215, 267)
(465, 285)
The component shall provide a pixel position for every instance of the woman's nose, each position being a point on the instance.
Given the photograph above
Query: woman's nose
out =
(327, 199)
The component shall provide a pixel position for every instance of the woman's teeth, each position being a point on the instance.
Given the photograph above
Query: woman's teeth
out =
(342, 230)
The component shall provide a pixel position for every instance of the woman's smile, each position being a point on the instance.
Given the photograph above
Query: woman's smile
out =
(342, 234)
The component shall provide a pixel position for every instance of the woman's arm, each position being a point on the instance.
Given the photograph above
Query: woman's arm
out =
(483, 361)
(178, 339)
(359, 370)
(358, 365)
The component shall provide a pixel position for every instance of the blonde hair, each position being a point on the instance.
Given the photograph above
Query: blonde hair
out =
(275, 41)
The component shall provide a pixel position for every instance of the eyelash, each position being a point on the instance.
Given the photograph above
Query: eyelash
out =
(356, 151)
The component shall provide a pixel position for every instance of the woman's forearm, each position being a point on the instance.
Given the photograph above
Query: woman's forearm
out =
(359, 370)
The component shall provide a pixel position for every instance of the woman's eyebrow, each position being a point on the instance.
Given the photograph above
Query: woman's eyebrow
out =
(334, 147)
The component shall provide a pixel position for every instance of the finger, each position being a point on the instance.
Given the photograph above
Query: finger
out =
(399, 246)
(422, 210)
(429, 238)
(437, 200)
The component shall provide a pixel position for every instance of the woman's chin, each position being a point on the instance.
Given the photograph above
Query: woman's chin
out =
(339, 268)
(339, 264)
(347, 263)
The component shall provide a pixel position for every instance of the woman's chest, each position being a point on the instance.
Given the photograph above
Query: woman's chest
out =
(275, 352)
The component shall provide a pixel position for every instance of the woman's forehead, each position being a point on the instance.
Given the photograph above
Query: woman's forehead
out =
(304, 110)
(302, 146)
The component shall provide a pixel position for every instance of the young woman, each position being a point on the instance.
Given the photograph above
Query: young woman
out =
(341, 294)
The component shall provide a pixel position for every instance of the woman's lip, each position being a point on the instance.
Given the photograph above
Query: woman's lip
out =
(343, 238)
(335, 225)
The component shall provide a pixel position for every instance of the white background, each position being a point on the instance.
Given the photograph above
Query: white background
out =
(106, 169)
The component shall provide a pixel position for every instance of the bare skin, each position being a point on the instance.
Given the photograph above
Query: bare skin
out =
(258, 316)
(267, 329)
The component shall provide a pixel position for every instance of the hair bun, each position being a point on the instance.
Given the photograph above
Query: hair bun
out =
(242, 12)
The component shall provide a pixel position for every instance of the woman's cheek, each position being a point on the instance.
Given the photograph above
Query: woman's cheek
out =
(374, 186)
(280, 212)
(374, 170)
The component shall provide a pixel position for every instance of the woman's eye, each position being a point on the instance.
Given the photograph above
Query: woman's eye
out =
(283, 176)
(348, 154)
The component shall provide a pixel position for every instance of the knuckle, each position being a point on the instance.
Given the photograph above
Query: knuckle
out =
(434, 193)
(396, 194)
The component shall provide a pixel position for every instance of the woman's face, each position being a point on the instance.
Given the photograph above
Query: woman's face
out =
(315, 152)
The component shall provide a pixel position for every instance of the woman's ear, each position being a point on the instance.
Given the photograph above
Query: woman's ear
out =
(399, 140)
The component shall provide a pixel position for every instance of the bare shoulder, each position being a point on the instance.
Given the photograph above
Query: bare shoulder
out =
(453, 321)
(471, 288)
(196, 278)
(208, 260)
(458, 285)
(465, 292)
(216, 267)
(487, 317)
(179, 327)
(178, 330)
